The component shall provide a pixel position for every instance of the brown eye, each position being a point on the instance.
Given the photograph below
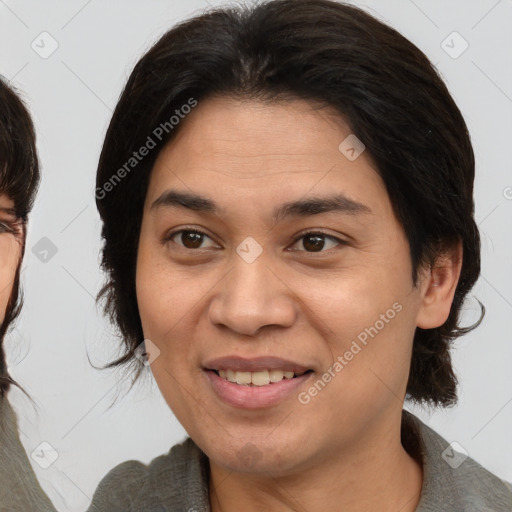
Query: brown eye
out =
(313, 242)
(317, 242)
(189, 239)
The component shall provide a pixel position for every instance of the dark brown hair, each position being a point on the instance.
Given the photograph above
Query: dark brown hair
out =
(19, 180)
(320, 51)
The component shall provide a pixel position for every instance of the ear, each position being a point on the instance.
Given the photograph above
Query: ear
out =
(438, 287)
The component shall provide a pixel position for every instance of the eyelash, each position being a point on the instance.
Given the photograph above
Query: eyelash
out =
(170, 236)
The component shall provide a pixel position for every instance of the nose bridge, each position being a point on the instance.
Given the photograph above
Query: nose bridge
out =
(251, 296)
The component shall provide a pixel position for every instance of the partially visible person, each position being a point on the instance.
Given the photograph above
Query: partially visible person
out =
(19, 178)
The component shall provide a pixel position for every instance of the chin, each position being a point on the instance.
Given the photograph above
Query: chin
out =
(255, 455)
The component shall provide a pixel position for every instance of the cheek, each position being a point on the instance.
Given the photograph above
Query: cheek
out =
(167, 298)
(152, 295)
(166, 302)
(348, 302)
(368, 319)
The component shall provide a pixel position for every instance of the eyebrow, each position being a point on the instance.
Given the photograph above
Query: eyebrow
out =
(300, 208)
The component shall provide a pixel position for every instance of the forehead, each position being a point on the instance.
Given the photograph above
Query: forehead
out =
(248, 150)
(246, 129)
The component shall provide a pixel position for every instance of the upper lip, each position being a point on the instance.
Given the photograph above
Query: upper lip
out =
(241, 364)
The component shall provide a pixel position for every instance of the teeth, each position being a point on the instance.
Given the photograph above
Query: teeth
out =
(243, 377)
(259, 378)
(276, 375)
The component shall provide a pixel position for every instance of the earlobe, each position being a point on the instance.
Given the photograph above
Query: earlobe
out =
(439, 288)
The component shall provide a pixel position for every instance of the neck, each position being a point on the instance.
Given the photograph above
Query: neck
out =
(372, 476)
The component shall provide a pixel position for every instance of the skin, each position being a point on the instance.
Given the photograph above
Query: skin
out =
(342, 450)
(11, 235)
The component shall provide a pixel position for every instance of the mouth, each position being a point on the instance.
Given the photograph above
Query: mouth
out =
(255, 383)
(257, 378)
(256, 390)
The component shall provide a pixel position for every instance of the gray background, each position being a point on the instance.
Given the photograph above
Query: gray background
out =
(71, 94)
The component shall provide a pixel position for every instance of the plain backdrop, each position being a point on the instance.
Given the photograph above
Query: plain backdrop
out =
(71, 93)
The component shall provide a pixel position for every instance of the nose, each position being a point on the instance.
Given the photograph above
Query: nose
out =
(252, 296)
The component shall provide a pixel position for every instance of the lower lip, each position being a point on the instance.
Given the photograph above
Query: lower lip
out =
(254, 397)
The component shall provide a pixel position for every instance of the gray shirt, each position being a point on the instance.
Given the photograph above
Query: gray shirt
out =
(178, 481)
(19, 489)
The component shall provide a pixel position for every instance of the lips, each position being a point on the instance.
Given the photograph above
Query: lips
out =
(260, 393)
(255, 397)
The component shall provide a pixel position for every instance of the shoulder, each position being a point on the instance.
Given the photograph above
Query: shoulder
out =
(453, 481)
(19, 487)
(167, 483)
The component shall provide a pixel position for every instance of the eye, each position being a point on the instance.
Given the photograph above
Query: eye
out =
(189, 238)
(10, 227)
(312, 241)
(316, 241)
(4, 228)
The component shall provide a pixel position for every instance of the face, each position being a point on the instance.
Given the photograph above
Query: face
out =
(10, 250)
(289, 259)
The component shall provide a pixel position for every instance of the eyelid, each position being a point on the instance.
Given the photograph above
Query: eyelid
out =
(319, 231)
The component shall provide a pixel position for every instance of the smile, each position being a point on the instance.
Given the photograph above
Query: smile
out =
(259, 378)
(247, 395)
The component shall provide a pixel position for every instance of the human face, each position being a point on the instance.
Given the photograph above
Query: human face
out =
(303, 299)
(11, 232)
